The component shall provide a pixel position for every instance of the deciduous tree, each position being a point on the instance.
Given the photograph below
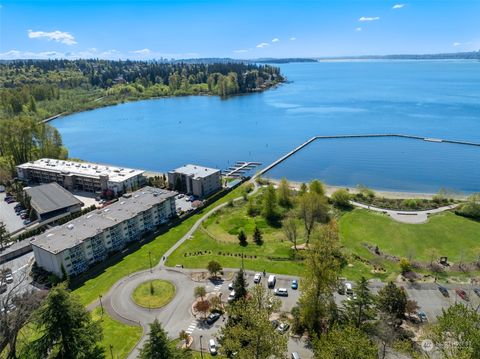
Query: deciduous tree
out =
(214, 268)
(284, 193)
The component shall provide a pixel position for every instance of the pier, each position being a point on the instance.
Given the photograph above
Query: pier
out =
(372, 135)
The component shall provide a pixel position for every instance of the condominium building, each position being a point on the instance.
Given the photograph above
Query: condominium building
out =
(197, 180)
(88, 239)
(81, 176)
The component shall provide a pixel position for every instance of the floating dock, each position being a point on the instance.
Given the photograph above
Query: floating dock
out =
(240, 168)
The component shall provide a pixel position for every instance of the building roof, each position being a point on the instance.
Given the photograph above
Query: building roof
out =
(51, 197)
(196, 171)
(84, 169)
(72, 233)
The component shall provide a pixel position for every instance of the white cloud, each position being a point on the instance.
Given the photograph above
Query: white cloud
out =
(262, 45)
(456, 44)
(358, 29)
(398, 6)
(142, 52)
(293, 38)
(240, 51)
(275, 40)
(366, 18)
(58, 36)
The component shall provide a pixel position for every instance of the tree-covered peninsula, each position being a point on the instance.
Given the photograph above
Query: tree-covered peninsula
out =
(44, 88)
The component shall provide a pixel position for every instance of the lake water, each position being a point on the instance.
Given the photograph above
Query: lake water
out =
(428, 98)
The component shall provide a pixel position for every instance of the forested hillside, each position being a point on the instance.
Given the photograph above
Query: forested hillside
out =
(34, 90)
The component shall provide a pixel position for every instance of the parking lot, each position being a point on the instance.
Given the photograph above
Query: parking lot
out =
(8, 216)
(182, 204)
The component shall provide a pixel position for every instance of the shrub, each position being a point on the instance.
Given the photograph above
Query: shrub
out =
(341, 198)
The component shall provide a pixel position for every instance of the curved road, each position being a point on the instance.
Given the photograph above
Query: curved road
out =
(176, 315)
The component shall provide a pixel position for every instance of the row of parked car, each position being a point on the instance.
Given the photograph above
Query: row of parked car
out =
(460, 292)
(19, 209)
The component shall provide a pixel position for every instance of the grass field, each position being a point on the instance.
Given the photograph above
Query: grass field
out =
(121, 336)
(163, 293)
(450, 235)
(219, 234)
(139, 260)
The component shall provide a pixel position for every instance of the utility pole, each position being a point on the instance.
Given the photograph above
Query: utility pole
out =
(201, 348)
(150, 259)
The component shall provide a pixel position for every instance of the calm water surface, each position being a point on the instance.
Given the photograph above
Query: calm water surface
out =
(431, 99)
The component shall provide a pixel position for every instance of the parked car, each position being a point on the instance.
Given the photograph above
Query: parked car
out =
(348, 288)
(10, 200)
(282, 292)
(283, 327)
(462, 294)
(295, 355)
(9, 278)
(230, 286)
(3, 287)
(212, 347)
(257, 278)
(422, 316)
(271, 281)
(294, 284)
(443, 290)
(231, 296)
(23, 216)
(7, 198)
(27, 221)
(275, 323)
(213, 317)
(477, 291)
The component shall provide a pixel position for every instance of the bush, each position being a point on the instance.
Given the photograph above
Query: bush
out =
(341, 198)
(405, 265)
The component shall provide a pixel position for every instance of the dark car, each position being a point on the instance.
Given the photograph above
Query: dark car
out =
(462, 294)
(294, 284)
(212, 318)
(422, 316)
(275, 323)
(477, 291)
(443, 290)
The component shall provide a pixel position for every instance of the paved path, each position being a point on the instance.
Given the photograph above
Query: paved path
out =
(411, 217)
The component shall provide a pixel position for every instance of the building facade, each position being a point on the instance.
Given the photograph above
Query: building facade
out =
(197, 180)
(82, 242)
(81, 176)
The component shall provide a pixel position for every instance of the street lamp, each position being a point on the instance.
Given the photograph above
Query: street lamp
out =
(101, 304)
(150, 259)
(201, 348)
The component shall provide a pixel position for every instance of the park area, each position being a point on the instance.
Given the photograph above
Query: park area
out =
(373, 242)
(154, 293)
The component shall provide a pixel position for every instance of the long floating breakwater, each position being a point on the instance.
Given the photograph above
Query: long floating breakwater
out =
(306, 143)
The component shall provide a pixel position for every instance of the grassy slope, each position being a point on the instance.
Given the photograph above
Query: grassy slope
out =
(448, 233)
(121, 336)
(139, 260)
(221, 236)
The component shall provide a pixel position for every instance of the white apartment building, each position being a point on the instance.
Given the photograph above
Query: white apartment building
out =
(81, 176)
(80, 243)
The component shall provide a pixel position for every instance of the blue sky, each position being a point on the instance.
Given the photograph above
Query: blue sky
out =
(235, 28)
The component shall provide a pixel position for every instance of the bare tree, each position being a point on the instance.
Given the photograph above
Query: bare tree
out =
(313, 208)
(4, 236)
(290, 231)
(16, 308)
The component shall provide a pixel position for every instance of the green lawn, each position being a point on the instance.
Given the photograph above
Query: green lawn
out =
(450, 235)
(219, 235)
(121, 336)
(139, 260)
(163, 293)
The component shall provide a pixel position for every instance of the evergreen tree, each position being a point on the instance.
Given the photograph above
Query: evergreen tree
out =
(240, 286)
(158, 346)
(66, 328)
(242, 238)
(257, 236)
(360, 309)
(392, 300)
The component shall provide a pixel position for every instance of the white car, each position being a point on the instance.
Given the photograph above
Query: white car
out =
(212, 347)
(257, 278)
(9, 278)
(231, 296)
(282, 292)
(230, 286)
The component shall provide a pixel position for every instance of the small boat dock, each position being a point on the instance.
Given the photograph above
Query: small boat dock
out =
(240, 168)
